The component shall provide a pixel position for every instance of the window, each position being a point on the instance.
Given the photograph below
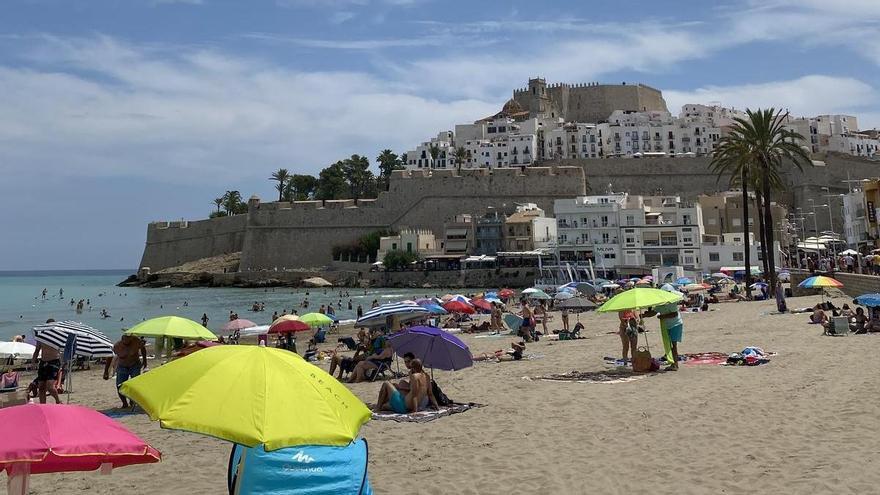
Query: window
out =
(714, 257)
(735, 222)
(651, 239)
(630, 220)
(609, 256)
(630, 240)
(688, 260)
(605, 237)
(686, 219)
(604, 220)
(408, 247)
(687, 239)
(668, 238)
(737, 256)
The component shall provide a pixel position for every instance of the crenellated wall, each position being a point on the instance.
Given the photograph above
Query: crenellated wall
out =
(302, 234)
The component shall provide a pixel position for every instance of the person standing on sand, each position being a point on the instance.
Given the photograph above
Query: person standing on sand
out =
(48, 369)
(360, 311)
(565, 318)
(129, 351)
(671, 330)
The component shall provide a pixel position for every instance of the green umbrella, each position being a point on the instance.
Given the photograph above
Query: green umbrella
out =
(535, 293)
(315, 319)
(172, 326)
(639, 298)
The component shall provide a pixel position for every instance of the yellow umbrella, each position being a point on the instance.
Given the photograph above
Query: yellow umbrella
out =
(250, 395)
(172, 326)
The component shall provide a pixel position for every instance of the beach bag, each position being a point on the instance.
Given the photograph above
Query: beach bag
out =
(442, 399)
(641, 359)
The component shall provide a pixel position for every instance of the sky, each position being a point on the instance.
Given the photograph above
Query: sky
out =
(117, 113)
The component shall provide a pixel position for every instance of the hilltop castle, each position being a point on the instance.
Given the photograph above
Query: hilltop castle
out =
(585, 102)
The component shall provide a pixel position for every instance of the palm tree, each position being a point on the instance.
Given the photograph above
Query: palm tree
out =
(281, 176)
(232, 202)
(434, 150)
(460, 155)
(757, 147)
(218, 202)
(730, 159)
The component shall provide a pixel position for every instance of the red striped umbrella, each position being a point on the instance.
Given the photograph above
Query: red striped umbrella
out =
(459, 307)
(482, 304)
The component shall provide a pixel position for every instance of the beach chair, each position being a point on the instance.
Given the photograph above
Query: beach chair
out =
(839, 325)
(381, 368)
(308, 470)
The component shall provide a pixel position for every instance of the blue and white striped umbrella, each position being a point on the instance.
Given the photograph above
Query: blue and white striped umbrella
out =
(404, 310)
(89, 341)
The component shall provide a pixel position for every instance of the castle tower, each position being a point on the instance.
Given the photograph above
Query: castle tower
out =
(538, 98)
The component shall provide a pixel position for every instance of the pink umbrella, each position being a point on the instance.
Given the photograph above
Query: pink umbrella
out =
(237, 324)
(43, 438)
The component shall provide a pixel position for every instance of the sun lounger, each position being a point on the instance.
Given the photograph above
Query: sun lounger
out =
(307, 469)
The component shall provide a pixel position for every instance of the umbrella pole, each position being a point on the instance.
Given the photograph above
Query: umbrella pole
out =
(19, 480)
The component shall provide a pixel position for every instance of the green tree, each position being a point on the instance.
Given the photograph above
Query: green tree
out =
(758, 147)
(331, 183)
(358, 176)
(232, 203)
(218, 202)
(388, 162)
(460, 155)
(301, 187)
(281, 176)
(399, 259)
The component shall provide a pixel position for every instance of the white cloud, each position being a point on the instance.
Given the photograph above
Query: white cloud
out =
(342, 16)
(808, 95)
(107, 108)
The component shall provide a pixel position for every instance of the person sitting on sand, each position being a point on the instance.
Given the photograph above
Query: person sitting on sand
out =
(515, 353)
(474, 328)
(419, 396)
(859, 323)
(346, 364)
(381, 351)
(846, 311)
(818, 317)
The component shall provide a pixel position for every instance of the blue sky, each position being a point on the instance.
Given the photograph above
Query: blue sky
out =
(113, 114)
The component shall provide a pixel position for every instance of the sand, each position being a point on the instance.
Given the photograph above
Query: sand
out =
(808, 422)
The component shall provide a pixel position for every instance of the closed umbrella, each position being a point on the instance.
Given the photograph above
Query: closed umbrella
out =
(250, 395)
(173, 327)
(435, 347)
(89, 342)
(57, 438)
(404, 311)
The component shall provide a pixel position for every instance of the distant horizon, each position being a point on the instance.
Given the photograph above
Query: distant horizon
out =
(71, 271)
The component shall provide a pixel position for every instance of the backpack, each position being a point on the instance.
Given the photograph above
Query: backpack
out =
(442, 399)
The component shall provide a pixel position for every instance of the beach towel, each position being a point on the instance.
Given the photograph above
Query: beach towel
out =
(610, 376)
(703, 358)
(425, 416)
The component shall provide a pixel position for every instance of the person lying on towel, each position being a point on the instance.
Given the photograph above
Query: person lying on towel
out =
(515, 353)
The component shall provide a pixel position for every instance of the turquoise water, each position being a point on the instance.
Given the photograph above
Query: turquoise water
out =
(22, 306)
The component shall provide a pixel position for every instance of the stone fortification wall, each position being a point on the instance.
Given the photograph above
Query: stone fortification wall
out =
(283, 235)
(173, 243)
(593, 102)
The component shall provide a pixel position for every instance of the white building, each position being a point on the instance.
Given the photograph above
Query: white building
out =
(421, 156)
(836, 133)
(529, 229)
(711, 115)
(728, 251)
(629, 233)
(418, 241)
(855, 219)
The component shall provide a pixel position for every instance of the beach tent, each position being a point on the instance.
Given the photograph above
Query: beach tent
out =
(308, 469)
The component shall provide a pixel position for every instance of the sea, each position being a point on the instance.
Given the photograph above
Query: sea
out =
(22, 305)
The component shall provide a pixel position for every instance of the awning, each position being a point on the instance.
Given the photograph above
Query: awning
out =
(482, 257)
(456, 245)
(456, 232)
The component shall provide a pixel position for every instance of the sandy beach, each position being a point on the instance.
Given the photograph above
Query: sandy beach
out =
(805, 423)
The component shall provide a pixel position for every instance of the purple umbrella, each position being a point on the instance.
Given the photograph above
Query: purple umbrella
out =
(436, 348)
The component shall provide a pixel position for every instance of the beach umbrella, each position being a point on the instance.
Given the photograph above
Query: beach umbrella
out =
(577, 303)
(458, 307)
(684, 281)
(89, 341)
(316, 319)
(57, 438)
(483, 304)
(850, 252)
(250, 395)
(758, 285)
(446, 297)
(435, 347)
(432, 306)
(237, 324)
(535, 293)
(255, 330)
(869, 300)
(694, 287)
(820, 281)
(459, 298)
(505, 293)
(610, 286)
(490, 294)
(492, 299)
(403, 310)
(644, 282)
(16, 349)
(720, 275)
(172, 326)
(563, 295)
(282, 325)
(638, 299)
(784, 276)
